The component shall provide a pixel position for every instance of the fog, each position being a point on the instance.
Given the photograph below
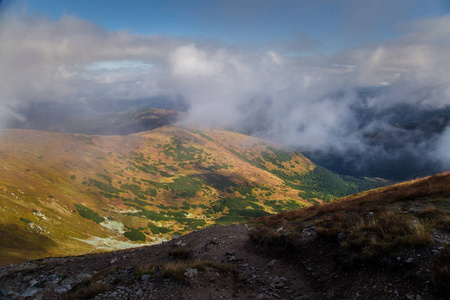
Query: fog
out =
(354, 109)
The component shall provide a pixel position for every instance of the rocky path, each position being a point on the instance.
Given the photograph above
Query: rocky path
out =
(215, 263)
(222, 263)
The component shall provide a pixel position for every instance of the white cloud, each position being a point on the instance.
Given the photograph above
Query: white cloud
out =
(300, 101)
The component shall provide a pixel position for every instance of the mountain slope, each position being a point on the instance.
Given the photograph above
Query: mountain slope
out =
(309, 253)
(63, 194)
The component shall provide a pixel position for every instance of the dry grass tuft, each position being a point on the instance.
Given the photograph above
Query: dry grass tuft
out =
(143, 269)
(440, 272)
(176, 270)
(181, 253)
(86, 290)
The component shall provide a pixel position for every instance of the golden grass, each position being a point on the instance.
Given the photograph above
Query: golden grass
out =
(143, 269)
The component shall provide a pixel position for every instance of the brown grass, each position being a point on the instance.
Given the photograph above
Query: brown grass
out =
(376, 222)
(440, 272)
(176, 270)
(143, 269)
(181, 253)
(86, 290)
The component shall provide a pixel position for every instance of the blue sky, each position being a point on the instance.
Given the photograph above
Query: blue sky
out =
(331, 26)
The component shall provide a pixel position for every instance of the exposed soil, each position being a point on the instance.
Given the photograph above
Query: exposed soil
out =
(237, 269)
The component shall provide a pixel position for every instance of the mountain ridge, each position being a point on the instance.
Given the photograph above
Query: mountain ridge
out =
(116, 191)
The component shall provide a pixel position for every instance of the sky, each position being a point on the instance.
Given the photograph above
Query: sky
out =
(285, 70)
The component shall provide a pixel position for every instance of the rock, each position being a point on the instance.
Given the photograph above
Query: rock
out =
(145, 277)
(33, 282)
(260, 296)
(175, 237)
(413, 210)
(31, 292)
(83, 276)
(271, 263)
(60, 290)
(191, 273)
(68, 281)
(113, 260)
(280, 229)
(232, 258)
(279, 285)
(410, 297)
(370, 214)
(341, 235)
(410, 260)
(418, 297)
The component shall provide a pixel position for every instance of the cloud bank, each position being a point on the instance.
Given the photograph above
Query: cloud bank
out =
(345, 104)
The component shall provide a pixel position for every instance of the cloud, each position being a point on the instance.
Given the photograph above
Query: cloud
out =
(310, 102)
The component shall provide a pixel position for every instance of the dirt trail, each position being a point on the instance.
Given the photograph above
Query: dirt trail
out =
(237, 273)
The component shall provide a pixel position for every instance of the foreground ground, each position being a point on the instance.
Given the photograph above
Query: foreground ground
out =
(218, 263)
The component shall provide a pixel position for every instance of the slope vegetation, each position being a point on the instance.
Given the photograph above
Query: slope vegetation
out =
(64, 194)
(387, 242)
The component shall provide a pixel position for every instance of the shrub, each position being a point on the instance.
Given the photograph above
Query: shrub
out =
(87, 213)
(134, 235)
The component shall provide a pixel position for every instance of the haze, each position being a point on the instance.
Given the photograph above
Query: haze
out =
(320, 77)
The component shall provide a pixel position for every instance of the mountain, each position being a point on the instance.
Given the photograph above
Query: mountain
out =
(65, 194)
(388, 243)
(114, 123)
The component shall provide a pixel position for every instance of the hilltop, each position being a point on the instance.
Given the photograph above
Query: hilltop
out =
(388, 243)
(67, 194)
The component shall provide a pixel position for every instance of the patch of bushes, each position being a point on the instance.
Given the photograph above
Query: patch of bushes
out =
(158, 230)
(104, 187)
(134, 235)
(25, 220)
(87, 213)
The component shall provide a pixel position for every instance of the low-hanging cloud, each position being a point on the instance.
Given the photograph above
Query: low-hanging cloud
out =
(311, 102)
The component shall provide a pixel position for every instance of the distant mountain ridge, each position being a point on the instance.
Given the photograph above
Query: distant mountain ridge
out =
(64, 194)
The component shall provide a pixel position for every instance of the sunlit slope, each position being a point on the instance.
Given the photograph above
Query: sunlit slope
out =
(62, 194)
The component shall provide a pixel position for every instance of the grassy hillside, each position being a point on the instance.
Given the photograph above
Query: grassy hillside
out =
(64, 194)
(400, 231)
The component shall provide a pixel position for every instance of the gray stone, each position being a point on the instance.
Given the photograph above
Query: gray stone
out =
(271, 263)
(145, 277)
(31, 292)
(60, 290)
(341, 235)
(370, 214)
(68, 281)
(232, 258)
(191, 273)
(83, 276)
